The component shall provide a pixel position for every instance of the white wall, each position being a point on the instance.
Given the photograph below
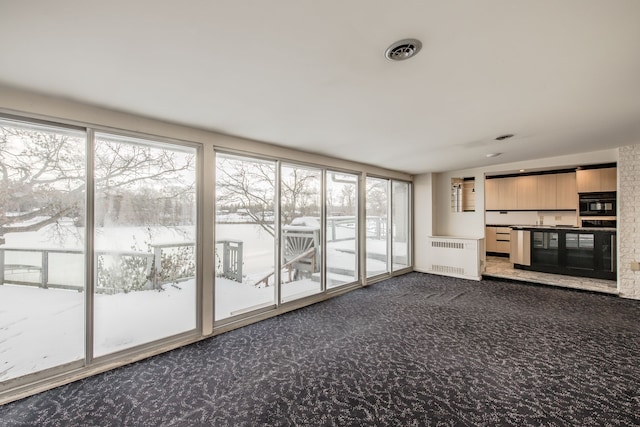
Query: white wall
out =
(422, 217)
(29, 104)
(532, 218)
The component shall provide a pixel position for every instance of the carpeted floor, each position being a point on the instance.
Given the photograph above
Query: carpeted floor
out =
(416, 350)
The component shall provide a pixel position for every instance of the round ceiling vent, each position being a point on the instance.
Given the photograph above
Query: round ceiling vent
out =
(403, 49)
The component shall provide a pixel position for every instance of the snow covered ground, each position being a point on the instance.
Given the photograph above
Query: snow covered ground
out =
(43, 328)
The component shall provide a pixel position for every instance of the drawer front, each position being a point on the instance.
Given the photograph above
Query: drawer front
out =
(503, 247)
(503, 231)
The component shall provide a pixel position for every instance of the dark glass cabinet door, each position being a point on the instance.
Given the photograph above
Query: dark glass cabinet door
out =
(576, 253)
(580, 251)
(544, 248)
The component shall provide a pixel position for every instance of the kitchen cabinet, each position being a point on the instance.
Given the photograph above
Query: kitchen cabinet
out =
(498, 239)
(520, 247)
(490, 239)
(609, 179)
(566, 191)
(596, 180)
(501, 194)
(527, 192)
(532, 192)
(546, 195)
(491, 190)
(508, 193)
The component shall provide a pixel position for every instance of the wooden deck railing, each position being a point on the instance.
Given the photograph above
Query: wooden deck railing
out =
(23, 273)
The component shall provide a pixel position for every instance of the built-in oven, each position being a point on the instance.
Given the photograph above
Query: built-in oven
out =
(598, 222)
(598, 204)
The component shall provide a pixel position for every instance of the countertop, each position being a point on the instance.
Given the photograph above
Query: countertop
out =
(560, 227)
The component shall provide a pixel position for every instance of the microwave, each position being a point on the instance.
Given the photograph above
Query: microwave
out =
(598, 204)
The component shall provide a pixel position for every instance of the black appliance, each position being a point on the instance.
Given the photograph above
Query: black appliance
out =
(598, 204)
(598, 222)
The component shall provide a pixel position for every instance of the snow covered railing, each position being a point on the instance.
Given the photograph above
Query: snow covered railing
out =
(376, 227)
(231, 258)
(175, 261)
(26, 273)
(336, 224)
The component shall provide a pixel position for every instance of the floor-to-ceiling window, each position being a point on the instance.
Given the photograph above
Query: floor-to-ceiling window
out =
(245, 235)
(377, 214)
(341, 228)
(145, 237)
(400, 225)
(301, 234)
(42, 238)
(82, 281)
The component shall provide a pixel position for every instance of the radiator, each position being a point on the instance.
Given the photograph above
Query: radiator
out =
(456, 256)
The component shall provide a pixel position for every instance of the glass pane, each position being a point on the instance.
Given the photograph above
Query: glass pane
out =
(342, 228)
(571, 240)
(580, 253)
(245, 230)
(300, 202)
(376, 227)
(400, 222)
(586, 241)
(545, 248)
(41, 247)
(145, 236)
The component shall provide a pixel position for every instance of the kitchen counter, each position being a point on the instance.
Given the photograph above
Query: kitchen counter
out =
(573, 251)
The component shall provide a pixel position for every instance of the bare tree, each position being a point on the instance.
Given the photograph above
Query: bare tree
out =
(250, 185)
(43, 175)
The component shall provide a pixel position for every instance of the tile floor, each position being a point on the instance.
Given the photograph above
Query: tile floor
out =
(502, 268)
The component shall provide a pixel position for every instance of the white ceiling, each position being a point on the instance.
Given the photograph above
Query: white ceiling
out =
(564, 76)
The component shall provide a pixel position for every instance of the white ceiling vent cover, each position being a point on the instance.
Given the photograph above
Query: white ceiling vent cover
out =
(403, 49)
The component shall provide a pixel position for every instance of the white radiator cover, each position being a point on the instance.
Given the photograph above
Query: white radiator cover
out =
(456, 256)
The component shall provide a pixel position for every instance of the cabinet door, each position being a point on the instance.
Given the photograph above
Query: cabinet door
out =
(567, 192)
(547, 192)
(490, 239)
(508, 194)
(491, 194)
(588, 180)
(608, 179)
(527, 193)
(503, 240)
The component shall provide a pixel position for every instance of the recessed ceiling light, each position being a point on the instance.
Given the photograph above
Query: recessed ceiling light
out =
(521, 170)
(493, 154)
(403, 49)
(503, 137)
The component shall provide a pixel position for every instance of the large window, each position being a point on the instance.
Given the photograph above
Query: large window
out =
(377, 246)
(400, 225)
(245, 235)
(145, 236)
(300, 216)
(42, 178)
(80, 281)
(341, 228)
(388, 240)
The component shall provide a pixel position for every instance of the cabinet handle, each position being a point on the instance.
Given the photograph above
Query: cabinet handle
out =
(614, 261)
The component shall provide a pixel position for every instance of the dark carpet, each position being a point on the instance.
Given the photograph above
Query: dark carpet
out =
(416, 350)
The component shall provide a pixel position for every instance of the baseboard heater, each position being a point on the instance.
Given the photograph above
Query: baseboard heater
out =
(456, 256)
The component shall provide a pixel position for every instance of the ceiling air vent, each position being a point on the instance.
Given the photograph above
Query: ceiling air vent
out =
(403, 49)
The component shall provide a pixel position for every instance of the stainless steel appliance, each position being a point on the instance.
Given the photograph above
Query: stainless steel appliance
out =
(598, 204)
